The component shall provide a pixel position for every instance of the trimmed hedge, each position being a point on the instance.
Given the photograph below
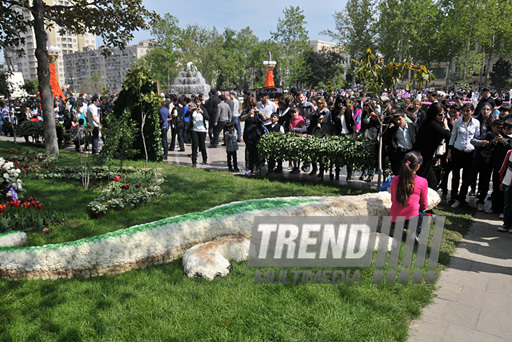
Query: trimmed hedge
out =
(340, 151)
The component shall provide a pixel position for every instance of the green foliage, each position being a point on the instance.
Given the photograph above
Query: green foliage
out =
(93, 84)
(161, 298)
(30, 86)
(128, 191)
(119, 134)
(30, 128)
(163, 55)
(293, 41)
(323, 70)
(378, 76)
(124, 125)
(28, 215)
(355, 27)
(501, 74)
(340, 151)
(4, 84)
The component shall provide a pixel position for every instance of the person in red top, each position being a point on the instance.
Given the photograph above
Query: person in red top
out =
(408, 191)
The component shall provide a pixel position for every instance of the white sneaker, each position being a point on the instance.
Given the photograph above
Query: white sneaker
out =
(456, 204)
(489, 211)
(501, 217)
(480, 206)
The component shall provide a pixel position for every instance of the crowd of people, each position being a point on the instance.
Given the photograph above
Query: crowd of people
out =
(462, 133)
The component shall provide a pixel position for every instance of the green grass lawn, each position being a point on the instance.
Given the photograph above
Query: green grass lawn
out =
(161, 304)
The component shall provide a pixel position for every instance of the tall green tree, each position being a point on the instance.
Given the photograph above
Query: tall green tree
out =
(162, 55)
(355, 28)
(323, 69)
(407, 29)
(501, 74)
(114, 21)
(293, 41)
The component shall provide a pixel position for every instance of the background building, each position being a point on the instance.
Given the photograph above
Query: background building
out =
(68, 43)
(110, 71)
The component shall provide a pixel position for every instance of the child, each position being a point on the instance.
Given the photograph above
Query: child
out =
(80, 136)
(408, 192)
(231, 146)
(297, 125)
(275, 126)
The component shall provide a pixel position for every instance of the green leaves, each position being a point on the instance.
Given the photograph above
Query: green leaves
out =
(340, 151)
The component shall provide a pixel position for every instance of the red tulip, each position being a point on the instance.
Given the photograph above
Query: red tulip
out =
(26, 205)
(2, 208)
(17, 203)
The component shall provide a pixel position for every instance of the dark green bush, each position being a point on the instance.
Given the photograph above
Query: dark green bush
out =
(340, 151)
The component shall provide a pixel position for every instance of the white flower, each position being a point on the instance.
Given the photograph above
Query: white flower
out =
(6, 175)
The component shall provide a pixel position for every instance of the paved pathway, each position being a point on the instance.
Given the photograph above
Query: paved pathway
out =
(474, 300)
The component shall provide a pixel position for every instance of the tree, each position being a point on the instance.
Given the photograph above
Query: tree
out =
(355, 28)
(133, 129)
(293, 41)
(5, 89)
(323, 68)
(114, 21)
(92, 84)
(501, 74)
(378, 76)
(162, 56)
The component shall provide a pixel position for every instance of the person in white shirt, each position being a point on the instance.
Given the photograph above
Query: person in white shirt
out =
(266, 107)
(93, 116)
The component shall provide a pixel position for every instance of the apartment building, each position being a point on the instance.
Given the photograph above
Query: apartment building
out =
(68, 43)
(112, 70)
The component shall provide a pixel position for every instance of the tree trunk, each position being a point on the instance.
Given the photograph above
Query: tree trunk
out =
(469, 43)
(489, 61)
(43, 75)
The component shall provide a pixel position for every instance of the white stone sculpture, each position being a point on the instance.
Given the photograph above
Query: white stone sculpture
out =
(165, 240)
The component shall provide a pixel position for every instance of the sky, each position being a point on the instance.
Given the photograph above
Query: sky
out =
(260, 15)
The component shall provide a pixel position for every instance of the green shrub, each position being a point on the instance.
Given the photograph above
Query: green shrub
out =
(340, 151)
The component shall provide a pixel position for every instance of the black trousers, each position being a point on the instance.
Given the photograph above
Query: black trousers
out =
(396, 158)
(216, 132)
(177, 130)
(198, 141)
(231, 155)
(461, 160)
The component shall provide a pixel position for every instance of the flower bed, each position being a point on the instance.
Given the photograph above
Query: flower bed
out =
(340, 151)
(127, 191)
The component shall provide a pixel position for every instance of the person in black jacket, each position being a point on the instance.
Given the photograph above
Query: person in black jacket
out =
(433, 130)
(399, 139)
(343, 123)
(211, 107)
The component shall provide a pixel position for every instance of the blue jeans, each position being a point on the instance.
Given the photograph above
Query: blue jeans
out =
(507, 209)
(236, 122)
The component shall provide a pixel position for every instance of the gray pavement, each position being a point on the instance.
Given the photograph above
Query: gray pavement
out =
(474, 299)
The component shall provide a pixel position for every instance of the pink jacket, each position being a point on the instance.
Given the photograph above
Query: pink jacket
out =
(418, 200)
